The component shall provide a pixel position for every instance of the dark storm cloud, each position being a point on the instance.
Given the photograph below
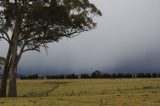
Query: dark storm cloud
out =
(127, 39)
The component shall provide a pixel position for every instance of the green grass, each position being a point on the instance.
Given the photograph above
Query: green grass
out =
(90, 92)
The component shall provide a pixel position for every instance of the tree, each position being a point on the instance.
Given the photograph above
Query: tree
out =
(85, 76)
(96, 74)
(154, 75)
(28, 25)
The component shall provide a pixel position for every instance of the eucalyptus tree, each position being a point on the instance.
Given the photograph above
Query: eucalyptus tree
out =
(28, 25)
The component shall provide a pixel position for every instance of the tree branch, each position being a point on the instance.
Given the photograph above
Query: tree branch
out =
(31, 49)
(4, 33)
(2, 37)
(35, 48)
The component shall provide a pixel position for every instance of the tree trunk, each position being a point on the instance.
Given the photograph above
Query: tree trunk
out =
(11, 66)
(4, 84)
(12, 83)
(12, 92)
(5, 74)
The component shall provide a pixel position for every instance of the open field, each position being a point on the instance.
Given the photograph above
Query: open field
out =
(90, 92)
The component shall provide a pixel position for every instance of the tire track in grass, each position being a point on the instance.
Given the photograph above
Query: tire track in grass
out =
(45, 93)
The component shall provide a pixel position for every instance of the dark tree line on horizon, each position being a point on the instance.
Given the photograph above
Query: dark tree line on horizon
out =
(94, 75)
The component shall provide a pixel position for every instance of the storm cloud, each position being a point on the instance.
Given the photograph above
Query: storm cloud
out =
(126, 39)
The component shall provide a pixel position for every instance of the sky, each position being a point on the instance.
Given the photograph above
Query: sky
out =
(126, 39)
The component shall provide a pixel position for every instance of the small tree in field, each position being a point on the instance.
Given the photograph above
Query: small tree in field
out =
(96, 74)
(28, 25)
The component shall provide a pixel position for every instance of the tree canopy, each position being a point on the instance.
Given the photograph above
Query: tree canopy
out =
(43, 21)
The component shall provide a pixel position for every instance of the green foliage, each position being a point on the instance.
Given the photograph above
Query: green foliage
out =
(45, 21)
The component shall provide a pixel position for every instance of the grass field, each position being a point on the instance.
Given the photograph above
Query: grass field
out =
(90, 92)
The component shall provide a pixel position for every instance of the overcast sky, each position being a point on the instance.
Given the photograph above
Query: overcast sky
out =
(127, 39)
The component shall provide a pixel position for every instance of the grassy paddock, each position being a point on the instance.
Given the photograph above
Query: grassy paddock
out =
(89, 92)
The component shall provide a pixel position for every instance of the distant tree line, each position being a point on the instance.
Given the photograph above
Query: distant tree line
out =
(94, 75)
